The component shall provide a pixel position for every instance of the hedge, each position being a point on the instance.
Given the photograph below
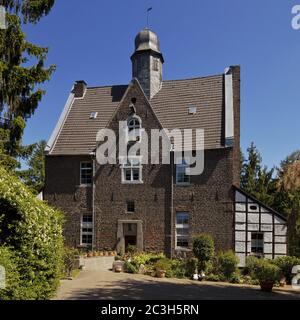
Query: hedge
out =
(33, 231)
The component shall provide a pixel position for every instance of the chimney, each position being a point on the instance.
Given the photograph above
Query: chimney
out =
(79, 88)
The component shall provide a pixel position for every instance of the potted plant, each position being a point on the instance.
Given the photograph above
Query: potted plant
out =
(89, 254)
(101, 254)
(267, 274)
(161, 267)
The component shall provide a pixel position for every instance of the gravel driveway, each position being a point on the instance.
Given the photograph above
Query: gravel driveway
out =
(96, 285)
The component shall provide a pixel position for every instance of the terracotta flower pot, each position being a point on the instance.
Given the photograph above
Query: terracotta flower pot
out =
(90, 254)
(100, 254)
(266, 286)
(94, 254)
(118, 269)
(106, 253)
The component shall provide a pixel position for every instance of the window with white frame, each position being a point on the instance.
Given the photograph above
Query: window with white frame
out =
(132, 170)
(182, 229)
(257, 243)
(86, 173)
(134, 128)
(87, 230)
(181, 176)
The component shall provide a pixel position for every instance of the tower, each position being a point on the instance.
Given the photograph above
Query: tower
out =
(147, 61)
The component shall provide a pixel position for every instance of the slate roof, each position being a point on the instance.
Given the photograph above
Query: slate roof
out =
(78, 132)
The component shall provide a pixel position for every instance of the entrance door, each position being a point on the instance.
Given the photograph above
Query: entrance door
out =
(130, 234)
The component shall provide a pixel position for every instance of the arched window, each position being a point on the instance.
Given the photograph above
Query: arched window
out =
(134, 123)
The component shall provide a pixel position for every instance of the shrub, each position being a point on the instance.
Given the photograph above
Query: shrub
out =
(130, 268)
(34, 232)
(251, 264)
(286, 265)
(163, 264)
(12, 290)
(69, 258)
(177, 269)
(191, 267)
(227, 264)
(266, 271)
(203, 248)
(146, 258)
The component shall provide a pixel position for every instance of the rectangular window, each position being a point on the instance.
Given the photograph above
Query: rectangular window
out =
(182, 229)
(86, 173)
(87, 230)
(257, 243)
(181, 176)
(132, 171)
(130, 206)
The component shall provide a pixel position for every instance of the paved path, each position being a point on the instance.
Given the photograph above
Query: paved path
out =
(95, 285)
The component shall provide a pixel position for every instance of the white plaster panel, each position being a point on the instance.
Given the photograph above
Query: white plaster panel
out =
(268, 248)
(280, 230)
(239, 197)
(240, 246)
(253, 227)
(278, 220)
(240, 217)
(240, 226)
(240, 207)
(266, 218)
(263, 209)
(266, 227)
(268, 237)
(280, 239)
(240, 236)
(280, 248)
(253, 218)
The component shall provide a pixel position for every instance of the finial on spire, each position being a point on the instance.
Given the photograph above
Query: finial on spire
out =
(148, 10)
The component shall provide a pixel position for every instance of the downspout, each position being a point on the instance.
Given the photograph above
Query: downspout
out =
(172, 203)
(93, 199)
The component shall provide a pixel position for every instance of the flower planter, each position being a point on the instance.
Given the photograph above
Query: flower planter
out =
(118, 269)
(90, 254)
(266, 286)
(106, 254)
(100, 254)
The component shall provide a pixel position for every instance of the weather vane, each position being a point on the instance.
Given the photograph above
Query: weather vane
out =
(148, 11)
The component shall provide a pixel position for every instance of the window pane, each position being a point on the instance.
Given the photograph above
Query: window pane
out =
(87, 218)
(182, 242)
(257, 242)
(86, 173)
(127, 174)
(130, 206)
(136, 174)
(87, 239)
(182, 218)
(182, 231)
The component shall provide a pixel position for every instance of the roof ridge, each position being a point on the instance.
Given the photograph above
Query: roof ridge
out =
(194, 78)
(108, 86)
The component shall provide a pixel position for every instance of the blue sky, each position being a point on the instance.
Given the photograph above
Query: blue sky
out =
(93, 40)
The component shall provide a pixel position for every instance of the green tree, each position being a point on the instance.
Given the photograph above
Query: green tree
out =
(22, 71)
(257, 179)
(34, 176)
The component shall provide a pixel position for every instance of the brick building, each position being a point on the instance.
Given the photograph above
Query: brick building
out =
(157, 207)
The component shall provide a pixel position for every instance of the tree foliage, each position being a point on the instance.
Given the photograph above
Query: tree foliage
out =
(22, 71)
(34, 176)
(34, 232)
